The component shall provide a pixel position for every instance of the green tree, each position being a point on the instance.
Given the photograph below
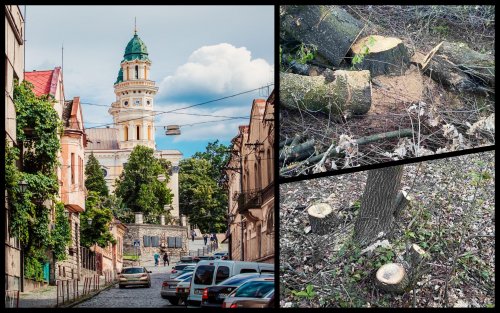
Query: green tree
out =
(38, 131)
(95, 177)
(98, 231)
(199, 195)
(217, 155)
(97, 207)
(140, 190)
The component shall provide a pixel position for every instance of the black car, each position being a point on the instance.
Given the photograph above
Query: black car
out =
(214, 296)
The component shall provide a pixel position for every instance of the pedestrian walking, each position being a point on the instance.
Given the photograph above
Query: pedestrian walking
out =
(157, 258)
(193, 234)
(205, 238)
(165, 259)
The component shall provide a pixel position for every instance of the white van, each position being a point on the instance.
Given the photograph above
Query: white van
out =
(211, 272)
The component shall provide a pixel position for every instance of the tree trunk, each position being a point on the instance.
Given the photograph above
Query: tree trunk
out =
(350, 91)
(459, 68)
(321, 218)
(330, 28)
(381, 55)
(376, 213)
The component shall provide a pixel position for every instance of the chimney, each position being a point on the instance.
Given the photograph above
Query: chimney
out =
(138, 218)
(162, 219)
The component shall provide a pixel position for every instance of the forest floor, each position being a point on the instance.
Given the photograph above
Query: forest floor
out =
(441, 120)
(451, 215)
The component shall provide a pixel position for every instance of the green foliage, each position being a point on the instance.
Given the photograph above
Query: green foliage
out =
(41, 143)
(138, 186)
(305, 53)
(38, 130)
(359, 57)
(199, 194)
(61, 235)
(94, 180)
(217, 155)
(98, 232)
(308, 293)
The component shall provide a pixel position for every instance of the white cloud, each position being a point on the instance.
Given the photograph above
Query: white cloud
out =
(216, 70)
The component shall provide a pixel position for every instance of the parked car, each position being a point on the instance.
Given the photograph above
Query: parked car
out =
(206, 257)
(185, 269)
(255, 303)
(220, 255)
(168, 287)
(214, 296)
(133, 276)
(187, 259)
(211, 272)
(258, 290)
(182, 290)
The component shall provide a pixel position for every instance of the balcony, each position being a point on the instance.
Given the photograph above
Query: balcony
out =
(254, 199)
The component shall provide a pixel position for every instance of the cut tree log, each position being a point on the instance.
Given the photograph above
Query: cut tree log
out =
(322, 218)
(400, 203)
(349, 93)
(330, 28)
(392, 277)
(299, 152)
(460, 68)
(381, 55)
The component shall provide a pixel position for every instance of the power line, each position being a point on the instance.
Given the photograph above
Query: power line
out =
(191, 106)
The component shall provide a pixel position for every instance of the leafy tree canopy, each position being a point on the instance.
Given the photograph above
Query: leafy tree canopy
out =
(95, 177)
(217, 155)
(140, 190)
(98, 231)
(200, 195)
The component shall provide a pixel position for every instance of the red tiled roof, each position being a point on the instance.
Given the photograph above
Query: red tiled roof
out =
(44, 82)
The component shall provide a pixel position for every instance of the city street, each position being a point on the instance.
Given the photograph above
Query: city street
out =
(133, 297)
(140, 297)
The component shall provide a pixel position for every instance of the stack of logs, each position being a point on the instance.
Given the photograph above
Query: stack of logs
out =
(344, 93)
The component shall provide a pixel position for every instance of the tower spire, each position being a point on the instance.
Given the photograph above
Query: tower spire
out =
(135, 25)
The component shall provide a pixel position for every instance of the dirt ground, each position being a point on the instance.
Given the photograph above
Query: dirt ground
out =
(451, 216)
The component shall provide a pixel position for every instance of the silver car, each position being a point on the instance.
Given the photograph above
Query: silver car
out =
(258, 289)
(133, 276)
(184, 270)
(168, 287)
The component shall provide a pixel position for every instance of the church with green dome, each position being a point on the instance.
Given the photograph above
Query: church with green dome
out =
(133, 118)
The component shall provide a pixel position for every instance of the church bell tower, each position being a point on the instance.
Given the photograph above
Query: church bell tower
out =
(132, 111)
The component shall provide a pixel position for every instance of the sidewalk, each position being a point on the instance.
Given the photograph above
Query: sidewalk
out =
(46, 297)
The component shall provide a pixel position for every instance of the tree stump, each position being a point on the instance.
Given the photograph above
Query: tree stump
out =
(392, 277)
(321, 218)
(381, 55)
(416, 255)
(459, 68)
(330, 28)
(349, 92)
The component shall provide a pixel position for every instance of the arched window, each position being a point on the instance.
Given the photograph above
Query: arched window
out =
(125, 133)
(128, 76)
(137, 72)
(138, 132)
(149, 132)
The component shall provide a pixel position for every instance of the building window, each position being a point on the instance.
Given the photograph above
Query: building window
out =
(125, 133)
(128, 77)
(104, 172)
(145, 73)
(80, 172)
(136, 72)
(149, 132)
(138, 132)
(72, 168)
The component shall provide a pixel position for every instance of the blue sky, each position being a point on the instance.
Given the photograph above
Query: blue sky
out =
(199, 53)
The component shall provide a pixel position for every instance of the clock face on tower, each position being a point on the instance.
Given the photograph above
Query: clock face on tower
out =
(137, 102)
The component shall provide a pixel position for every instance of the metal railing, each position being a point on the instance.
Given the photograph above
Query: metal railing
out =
(11, 298)
(67, 290)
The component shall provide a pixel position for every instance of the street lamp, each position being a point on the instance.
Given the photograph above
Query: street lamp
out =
(23, 186)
